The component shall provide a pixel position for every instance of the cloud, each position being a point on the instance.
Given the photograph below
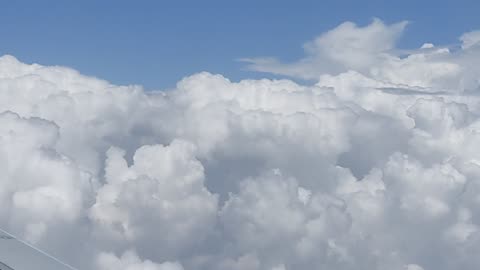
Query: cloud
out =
(162, 191)
(374, 166)
(371, 51)
(347, 46)
(40, 187)
(470, 39)
(130, 261)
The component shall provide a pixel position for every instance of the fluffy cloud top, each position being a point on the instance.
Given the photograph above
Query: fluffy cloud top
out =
(370, 50)
(374, 166)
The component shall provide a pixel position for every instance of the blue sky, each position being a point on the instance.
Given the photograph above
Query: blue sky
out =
(156, 43)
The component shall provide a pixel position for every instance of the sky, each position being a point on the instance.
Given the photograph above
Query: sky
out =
(343, 136)
(156, 43)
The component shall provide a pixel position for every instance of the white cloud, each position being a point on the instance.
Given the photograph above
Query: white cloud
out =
(40, 186)
(470, 39)
(356, 47)
(130, 261)
(375, 166)
(347, 46)
(161, 192)
(370, 50)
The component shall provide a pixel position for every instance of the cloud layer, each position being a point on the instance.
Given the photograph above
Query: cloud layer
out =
(375, 166)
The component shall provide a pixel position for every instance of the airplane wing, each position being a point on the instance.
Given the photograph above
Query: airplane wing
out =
(18, 255)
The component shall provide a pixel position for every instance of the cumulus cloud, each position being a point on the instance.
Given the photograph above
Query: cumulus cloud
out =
(40, 186)
(162, 191)
(345, 47)
(370, 50)
(372, 166)
(130, 261)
